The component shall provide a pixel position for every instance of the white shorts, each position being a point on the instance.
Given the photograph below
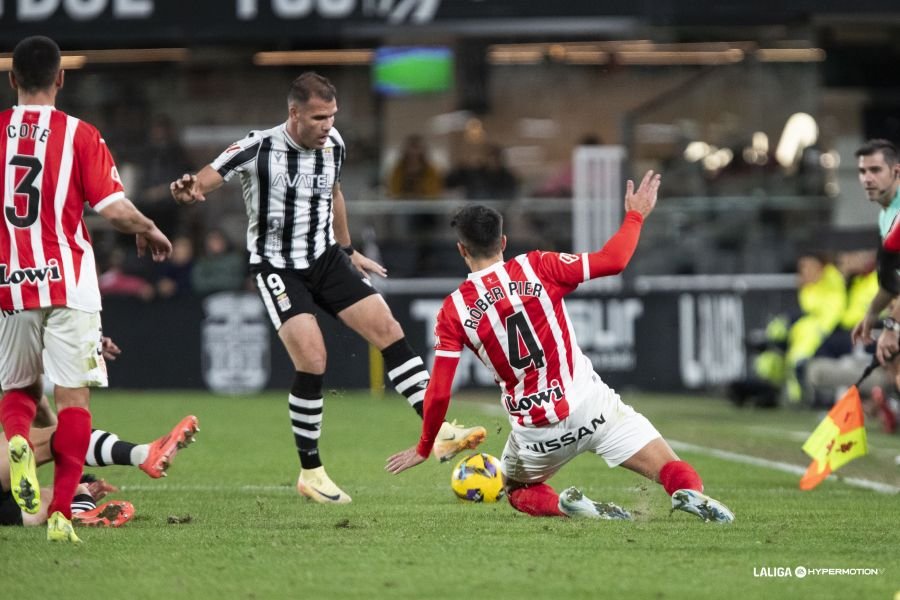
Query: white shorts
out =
(63, 342)
(603, 424)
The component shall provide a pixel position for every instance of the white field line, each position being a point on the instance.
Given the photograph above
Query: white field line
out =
(746, 459)
(187, 488)
(877, 486)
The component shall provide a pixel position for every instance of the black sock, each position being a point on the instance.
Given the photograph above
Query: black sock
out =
(305, 408)
(407, 373)
(107, 449)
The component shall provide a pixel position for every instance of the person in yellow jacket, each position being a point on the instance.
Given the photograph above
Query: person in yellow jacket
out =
(838, 363)
(790, 340)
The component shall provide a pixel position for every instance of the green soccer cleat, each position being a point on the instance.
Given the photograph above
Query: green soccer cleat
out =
(575, 504)
(701, 505)
(23, 475)
(59, 529)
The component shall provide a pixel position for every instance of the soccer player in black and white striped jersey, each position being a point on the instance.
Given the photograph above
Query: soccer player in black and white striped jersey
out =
(301, 257)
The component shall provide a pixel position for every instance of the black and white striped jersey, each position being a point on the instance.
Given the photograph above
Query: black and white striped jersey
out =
(288, 194)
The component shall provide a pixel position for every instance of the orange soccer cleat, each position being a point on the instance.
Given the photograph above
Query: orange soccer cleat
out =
(163, 450)
(112, 514)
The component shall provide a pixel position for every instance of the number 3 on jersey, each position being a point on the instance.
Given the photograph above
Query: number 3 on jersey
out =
(519, 337)
(25, 188)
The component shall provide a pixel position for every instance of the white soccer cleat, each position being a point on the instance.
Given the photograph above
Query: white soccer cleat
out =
(575, 504)
(453, 438)
(701, 505)
(316, 485)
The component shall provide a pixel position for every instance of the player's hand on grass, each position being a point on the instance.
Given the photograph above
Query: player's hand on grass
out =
(403, 461)
(644, 199)
(99, 488)
(185, 190)
(366, 265)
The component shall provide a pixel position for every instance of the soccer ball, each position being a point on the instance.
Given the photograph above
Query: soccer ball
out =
(477, 478)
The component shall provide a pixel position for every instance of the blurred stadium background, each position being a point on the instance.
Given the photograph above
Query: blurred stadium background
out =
(751, 111)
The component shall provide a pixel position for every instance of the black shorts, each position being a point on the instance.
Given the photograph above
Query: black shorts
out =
(332, 283)
(10, 513)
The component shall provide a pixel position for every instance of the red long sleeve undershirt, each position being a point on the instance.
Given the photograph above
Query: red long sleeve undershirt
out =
(609, 260)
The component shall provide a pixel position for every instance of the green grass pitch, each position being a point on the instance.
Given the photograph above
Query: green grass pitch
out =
(244, 533)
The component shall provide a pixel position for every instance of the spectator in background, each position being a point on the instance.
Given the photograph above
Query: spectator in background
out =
(175, 276)
(414, 176)
(838, 363)
(790, 340)
(162, 155)
(487, 178)
(561, 183)
(115, 280)
(220, 268)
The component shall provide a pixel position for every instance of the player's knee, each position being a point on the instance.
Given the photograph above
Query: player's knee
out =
(386, 332)
(312, 364)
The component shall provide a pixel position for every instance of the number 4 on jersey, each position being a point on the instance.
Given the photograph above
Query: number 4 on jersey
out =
(520, 337)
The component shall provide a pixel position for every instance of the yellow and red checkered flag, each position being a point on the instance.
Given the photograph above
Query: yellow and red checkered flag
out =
(839, 438)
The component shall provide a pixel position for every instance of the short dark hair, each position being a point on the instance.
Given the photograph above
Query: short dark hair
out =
(311, 84)
(886, 147)
(480, 229)
(35, 63)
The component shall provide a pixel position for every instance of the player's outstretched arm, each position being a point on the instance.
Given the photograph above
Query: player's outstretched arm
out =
(188, 188)
(644, 199)
(437, 401)
(125, 217)
(404, 460)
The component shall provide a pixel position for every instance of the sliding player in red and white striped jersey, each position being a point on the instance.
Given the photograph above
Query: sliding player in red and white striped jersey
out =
(51, 165)
(512, 315)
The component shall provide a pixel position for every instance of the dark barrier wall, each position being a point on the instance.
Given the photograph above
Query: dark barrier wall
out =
(142, 23)
(666, 341)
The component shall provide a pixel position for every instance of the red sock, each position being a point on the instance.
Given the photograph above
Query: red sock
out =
(679, 475)
(536, 500)
(70, 444)
(17, 410)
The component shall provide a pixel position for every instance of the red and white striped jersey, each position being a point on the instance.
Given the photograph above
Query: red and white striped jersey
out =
(52, 164)
(513, 317)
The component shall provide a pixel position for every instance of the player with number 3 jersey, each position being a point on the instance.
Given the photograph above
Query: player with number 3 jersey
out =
(51, 166)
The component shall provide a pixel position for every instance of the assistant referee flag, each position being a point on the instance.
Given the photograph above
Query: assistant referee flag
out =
(839, 438)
